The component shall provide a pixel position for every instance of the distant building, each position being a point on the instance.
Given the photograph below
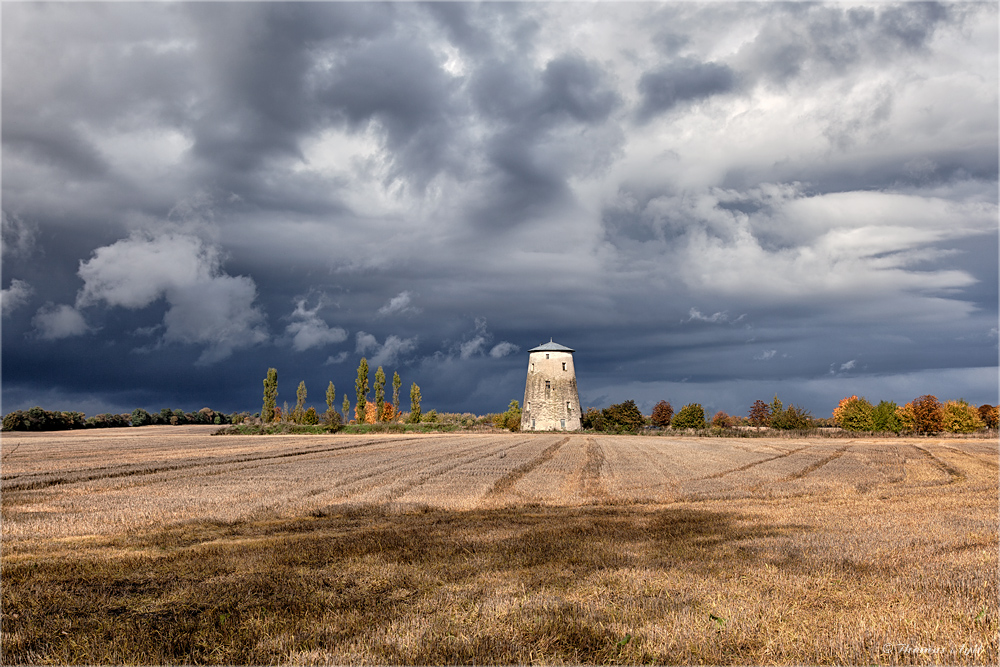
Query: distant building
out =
(551, 400)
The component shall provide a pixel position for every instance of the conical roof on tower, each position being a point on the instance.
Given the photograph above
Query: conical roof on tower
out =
(551, 347)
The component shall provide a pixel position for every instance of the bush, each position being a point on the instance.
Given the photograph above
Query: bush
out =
(960, 417)
(592, 419)
(511, 419)
(691, 415)
(622, 417)
(792, 418)
(310, 418)
(662, 414)
(429, 417)
(721, 420)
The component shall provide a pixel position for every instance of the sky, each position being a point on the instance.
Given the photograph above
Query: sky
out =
(710, 202)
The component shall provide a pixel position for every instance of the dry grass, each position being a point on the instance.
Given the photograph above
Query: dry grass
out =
(169, 547)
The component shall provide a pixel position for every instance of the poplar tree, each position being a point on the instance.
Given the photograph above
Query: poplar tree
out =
(379, 394)
(361, 389)
(270, 395)
(300, 403)
(414, 403)
(347, 409)
(396, 384)
(331, 398)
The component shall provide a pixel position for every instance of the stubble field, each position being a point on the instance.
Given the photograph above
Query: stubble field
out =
(165, 545)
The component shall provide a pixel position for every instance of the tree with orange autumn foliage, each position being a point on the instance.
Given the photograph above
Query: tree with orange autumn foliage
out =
(928, 414)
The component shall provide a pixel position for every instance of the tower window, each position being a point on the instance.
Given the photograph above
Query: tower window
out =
(564, 365)
(568, 408)
(546, 355)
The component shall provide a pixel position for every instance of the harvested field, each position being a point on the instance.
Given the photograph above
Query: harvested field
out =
(165, 545)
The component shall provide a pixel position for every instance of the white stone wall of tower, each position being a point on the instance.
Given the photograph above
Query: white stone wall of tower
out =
(557, 407)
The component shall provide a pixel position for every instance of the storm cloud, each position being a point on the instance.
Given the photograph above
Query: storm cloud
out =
(711, 202)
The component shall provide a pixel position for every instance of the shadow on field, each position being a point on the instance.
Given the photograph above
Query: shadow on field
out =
(365, 584)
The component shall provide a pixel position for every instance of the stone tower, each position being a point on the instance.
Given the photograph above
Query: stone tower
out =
(551, 401)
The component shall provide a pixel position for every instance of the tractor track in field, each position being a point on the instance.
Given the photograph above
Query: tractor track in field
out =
(723, 473)
(590, 477)
(989, 463)
(33, 481)
(508, 481)
(954, 475)
(431, 471)
(813, 467)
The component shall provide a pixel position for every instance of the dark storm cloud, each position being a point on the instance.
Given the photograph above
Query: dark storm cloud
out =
(193, 193)
(816, 37)
(398, 83)
(679, 82)
(62, 149)
(529, 108)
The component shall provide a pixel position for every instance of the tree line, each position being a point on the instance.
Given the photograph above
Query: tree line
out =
(925, 414)
(38, 419)
(379, 411)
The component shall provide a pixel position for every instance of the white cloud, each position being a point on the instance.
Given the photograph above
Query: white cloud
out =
(335, 359)
(308, 330)
(18, 236)
(765, 355)
(366, 342)
(15, 296)
(387, 352)
(472, 347)
(393, 348)
(399, 304)
(695, 314)
(848, 365)
(502, 349)
(56, 322)
(206, 306)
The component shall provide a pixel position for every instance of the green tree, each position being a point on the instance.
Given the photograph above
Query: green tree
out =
(300, 403)
(691, 415)
(623, 417)
(270, 395)
(140, 417)
(414, 403)
(361, 390)
(347, 409)
(776, 408)
(379, 395)
(331, 398)
(396, 384)
(885, 418)
(960, 417)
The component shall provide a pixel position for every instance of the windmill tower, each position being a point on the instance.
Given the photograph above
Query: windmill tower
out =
(551, 401)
